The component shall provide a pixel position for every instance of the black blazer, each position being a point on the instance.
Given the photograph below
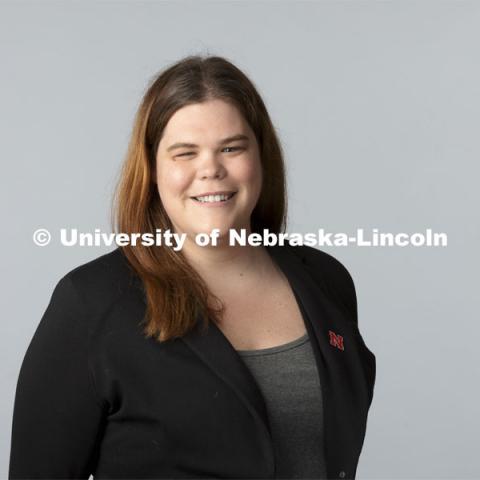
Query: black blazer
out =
(94, 396)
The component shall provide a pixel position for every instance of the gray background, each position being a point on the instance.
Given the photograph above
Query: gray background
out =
(377, 105)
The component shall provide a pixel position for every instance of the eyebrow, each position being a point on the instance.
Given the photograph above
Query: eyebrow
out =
(222, 142)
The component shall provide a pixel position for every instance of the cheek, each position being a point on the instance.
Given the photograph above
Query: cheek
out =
(172, 183)
(251, 173)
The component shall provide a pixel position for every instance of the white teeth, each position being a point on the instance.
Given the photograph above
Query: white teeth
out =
(213, 198)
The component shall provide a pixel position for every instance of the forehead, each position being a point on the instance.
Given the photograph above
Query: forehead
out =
(204, 122)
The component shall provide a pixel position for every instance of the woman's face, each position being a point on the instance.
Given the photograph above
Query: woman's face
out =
(198, 156)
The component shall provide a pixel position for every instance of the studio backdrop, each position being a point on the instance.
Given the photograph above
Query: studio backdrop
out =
(377, 107)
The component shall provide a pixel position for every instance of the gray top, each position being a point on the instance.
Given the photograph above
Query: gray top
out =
(288, 379)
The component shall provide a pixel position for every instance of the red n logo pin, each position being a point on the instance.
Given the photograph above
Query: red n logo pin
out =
(336, 340)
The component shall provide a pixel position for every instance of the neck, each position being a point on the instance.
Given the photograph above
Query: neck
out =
(226, 266)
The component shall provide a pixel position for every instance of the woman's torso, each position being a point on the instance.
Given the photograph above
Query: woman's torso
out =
(264, 324)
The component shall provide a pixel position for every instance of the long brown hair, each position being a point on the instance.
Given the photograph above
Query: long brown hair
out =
(174, 292)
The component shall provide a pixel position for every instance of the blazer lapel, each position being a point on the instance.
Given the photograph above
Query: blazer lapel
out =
(218, 353)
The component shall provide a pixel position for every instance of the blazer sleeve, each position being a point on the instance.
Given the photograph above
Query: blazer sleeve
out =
(56, 417)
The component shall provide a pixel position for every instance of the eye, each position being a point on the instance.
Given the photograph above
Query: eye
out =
(234, 148)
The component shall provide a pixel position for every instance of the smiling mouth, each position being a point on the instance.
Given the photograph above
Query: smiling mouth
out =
(214, 198)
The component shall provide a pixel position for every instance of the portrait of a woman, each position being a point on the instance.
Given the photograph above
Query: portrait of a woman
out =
(210, 361)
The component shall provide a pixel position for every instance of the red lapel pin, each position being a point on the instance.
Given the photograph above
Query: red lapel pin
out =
(336, 340)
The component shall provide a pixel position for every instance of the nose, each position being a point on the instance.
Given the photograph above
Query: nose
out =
(211, 166)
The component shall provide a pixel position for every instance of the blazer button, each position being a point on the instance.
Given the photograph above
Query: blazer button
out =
(341, 474)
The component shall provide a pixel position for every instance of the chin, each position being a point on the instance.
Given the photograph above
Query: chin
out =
(223, 230)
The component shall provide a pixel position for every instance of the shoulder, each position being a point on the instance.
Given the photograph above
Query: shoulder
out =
(325, 264)
(100, 281)
(331, 274)
(107, 267)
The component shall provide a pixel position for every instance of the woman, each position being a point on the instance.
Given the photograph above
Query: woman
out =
(208, 362)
